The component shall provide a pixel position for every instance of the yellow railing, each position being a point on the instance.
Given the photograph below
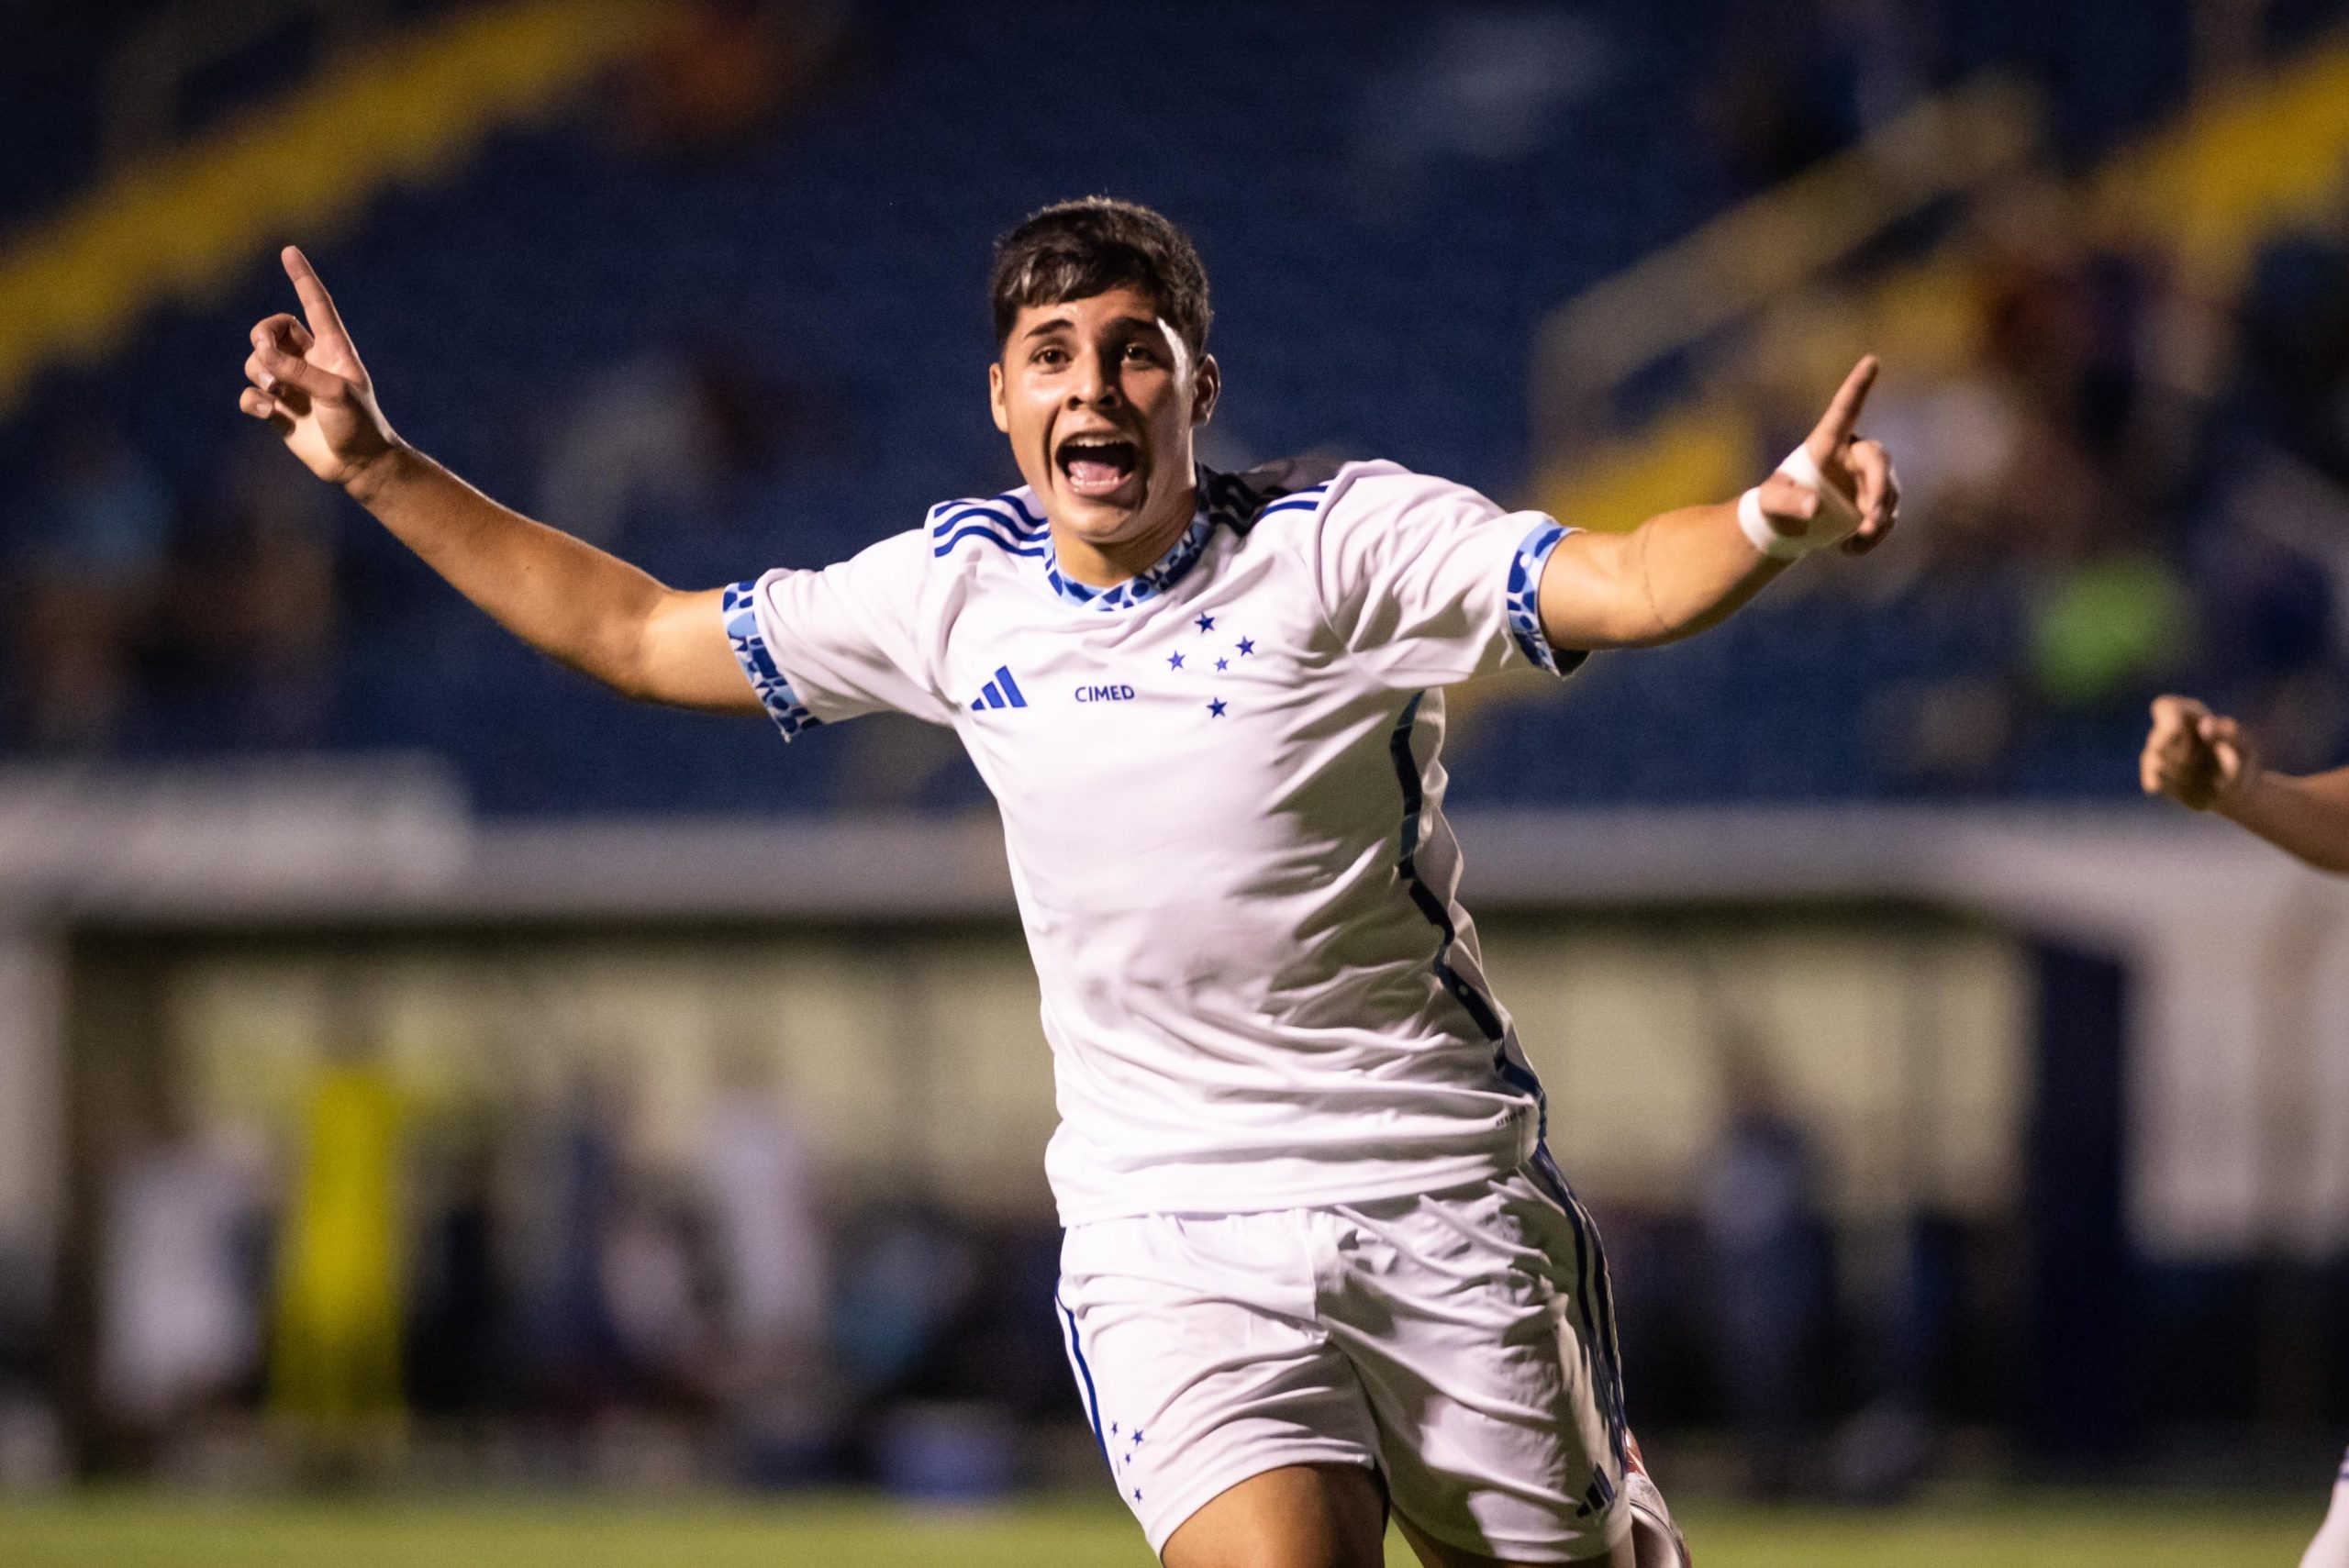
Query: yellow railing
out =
(2266, 152)
(1737, 263)
(183, 224)
(2262, 156)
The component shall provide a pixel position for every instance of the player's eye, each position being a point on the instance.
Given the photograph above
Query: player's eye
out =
(1141, 352)
(1050, 354)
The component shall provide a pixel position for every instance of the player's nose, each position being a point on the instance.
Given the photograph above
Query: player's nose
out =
(1096, 386)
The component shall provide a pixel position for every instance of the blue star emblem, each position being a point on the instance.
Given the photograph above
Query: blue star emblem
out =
(1207, 623)
(1215, 708)
(1247, 645)
(1223, 663)
(1174, 661)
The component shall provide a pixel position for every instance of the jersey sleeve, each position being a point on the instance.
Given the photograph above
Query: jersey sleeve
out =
(1428, 582)
(852, 639)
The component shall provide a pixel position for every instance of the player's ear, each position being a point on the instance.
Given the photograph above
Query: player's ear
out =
(1205, 387)
(994, 398)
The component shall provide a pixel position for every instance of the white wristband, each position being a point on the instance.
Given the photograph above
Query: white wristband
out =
(1835, 521)
(1761, 534)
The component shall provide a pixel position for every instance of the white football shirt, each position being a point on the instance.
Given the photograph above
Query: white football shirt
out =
(1223, 806)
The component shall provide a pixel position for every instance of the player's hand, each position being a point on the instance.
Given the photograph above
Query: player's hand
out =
(2194, 756)
(309, 387)
(1860, 470)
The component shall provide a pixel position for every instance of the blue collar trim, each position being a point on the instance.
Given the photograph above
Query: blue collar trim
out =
(1140, 589)
(1223, 499)
(1147, 585)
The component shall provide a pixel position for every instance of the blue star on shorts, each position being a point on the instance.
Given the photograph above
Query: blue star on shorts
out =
(1215, 708)
(1174, 661)
(1247, 646)
(1207, 623)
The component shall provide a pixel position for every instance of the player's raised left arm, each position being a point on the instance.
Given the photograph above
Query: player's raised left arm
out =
(1682, 572)
(2209, 762)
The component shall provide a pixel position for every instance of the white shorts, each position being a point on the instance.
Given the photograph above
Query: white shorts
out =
(1461, 1344)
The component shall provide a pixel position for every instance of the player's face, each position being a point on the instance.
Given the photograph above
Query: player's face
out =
(1099, 398)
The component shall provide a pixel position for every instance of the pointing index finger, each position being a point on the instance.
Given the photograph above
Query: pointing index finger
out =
(316, 304)
(1843, 415)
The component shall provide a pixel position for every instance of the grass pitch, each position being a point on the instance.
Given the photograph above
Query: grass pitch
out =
(150, 1531)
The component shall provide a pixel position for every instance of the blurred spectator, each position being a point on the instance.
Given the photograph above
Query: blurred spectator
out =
(456, 1363)
(2227, 38)
(638, 437)
(578, 1365)
(179, 1321)
(96, 538)
(255, 596)
(774, 1274)
(1483, 83)
(1765, 1228)
(2293, 384)
(670, 435)
(904, 1283)
(720, 71)
(2106, 629)
(656, 1282)
(2273, 585)
(335, 1364)
(2046, 478)
(1782, 92)
(770, 1241)
(1889, 46)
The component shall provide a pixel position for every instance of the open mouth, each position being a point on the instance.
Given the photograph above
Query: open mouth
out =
(1098, 466)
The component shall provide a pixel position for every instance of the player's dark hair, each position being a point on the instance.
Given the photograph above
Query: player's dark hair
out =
(1078, 249)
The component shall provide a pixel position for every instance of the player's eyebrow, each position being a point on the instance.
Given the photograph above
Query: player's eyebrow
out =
(1141, 324)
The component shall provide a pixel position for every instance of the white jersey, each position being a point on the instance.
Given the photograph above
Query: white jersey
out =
(1223, 807)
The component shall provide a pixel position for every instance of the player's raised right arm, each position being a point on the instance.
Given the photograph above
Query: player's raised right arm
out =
(565, 598)
(2202, 759)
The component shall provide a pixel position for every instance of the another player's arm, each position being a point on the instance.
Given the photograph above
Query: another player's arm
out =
(1683, 572)
(2209, 762)
(565, 598)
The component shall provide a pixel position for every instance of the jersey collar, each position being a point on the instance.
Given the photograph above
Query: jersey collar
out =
(1147, 585)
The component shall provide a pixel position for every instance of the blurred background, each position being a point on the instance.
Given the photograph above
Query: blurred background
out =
(420, 1069)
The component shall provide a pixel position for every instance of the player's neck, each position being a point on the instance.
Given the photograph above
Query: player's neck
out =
(1105, 565)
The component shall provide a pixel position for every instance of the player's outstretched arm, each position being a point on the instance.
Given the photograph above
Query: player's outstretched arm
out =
(2211, 764)
(566, 598)
(1682, 572)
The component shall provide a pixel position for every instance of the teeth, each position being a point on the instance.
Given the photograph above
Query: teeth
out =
(1098, 466)
(1099, 454)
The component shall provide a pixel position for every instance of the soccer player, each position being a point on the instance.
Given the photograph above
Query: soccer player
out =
(2331, 1547)
(1319, 1263)
(2211, 764)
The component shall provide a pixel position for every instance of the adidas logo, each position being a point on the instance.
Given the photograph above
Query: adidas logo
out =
(1001, 691)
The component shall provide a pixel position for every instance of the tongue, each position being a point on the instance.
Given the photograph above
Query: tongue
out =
(1092, 473)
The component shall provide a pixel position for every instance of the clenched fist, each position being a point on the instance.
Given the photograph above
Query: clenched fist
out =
(2194, 756)
(308, 384)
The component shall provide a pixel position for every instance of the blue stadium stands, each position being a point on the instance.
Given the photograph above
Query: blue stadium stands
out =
(1380, 271)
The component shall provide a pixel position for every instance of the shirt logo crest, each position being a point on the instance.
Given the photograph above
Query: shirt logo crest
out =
(1001, 691)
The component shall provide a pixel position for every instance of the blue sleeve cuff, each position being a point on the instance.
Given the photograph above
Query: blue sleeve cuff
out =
(739, 606)
(1524, 601)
